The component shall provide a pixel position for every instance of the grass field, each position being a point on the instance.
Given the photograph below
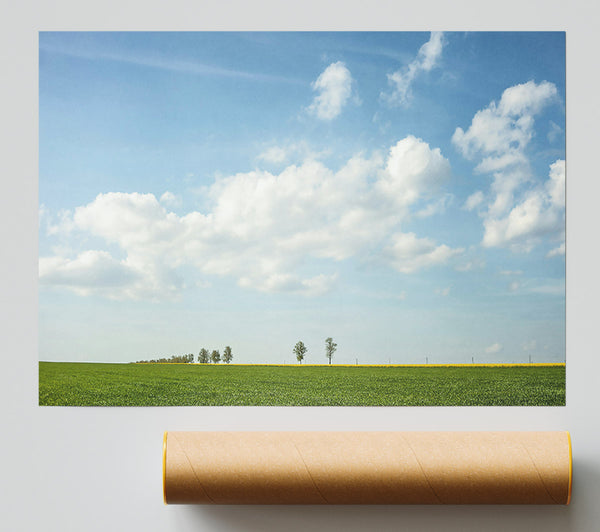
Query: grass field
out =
(89, 384)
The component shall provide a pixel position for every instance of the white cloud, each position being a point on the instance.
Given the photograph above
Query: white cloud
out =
(167, 63)
(503, 130)
(57, 224)
(290, 153)
(470, 260)
(431, 51)
(402, 80)
(468, 266)
(293, 284)
(170, 200)
(274, 155)
(557, 252)
(334, 88)
(407, 253)
(130, 220)
(495, 163)
(555, 186)
(91, 272)
(436, 207)
(414, 170)
(262, 229)
(511, 272)
(443, 291)
(516, 217)
(539, 214)
(494, 348)
(526, 99)
(474, 200)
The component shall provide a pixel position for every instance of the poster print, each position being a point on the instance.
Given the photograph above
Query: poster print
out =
(302, 218)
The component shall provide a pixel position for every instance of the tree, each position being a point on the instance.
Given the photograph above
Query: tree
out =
(203, 356)
(227, 355)
(300, 351)
(330, 348)
(215, 357)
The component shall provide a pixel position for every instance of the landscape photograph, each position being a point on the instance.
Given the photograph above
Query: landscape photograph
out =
(302, 219)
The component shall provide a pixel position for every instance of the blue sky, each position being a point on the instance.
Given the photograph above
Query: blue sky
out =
(403, 193)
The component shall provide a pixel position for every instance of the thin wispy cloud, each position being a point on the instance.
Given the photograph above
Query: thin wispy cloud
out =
(511, 272)
(402, 80)
(514, 286)
(551, 288)
(169, 64)
(290, 153)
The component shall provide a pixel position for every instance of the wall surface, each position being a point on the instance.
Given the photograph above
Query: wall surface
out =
(98, 469)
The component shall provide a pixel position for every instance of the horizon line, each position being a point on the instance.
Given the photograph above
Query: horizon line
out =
(458, 364)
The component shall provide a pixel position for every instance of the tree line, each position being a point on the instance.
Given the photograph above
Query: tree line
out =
(214, 357)
(204, 357)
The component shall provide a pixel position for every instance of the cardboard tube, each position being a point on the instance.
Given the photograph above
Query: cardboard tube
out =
(367, 467)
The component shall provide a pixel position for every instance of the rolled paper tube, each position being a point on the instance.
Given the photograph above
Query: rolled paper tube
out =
(367, 467)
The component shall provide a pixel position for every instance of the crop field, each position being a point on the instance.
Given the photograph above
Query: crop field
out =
(91, 384)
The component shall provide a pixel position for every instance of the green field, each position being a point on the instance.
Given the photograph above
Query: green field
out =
(89, 384)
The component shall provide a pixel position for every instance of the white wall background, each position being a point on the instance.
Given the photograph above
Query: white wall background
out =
(97, 469)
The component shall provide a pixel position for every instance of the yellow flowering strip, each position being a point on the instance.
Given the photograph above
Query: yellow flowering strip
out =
(467, 365)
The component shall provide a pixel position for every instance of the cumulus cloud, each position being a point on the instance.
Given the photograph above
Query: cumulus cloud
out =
(539, 214)
(90, 272)
(502, 130)
(402, 80)
(334, 88)
(413, 169)
(262, 229)
(516, 216)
